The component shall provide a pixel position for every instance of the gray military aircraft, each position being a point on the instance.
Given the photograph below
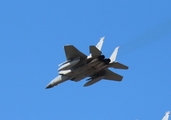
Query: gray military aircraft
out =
(95, 66)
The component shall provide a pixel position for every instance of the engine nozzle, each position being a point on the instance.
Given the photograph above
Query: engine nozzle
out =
(101, 57)
(106, 61)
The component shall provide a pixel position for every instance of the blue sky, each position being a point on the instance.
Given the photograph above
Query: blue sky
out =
(32, 36)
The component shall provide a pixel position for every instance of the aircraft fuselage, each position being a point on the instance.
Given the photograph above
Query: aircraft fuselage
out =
(79, 73)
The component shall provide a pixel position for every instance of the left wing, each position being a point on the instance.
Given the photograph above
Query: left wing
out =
(71, 52)
(112, 76)
(118, 65)
(104, 74)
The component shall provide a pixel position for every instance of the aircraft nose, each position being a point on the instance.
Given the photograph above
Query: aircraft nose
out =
(49, 86)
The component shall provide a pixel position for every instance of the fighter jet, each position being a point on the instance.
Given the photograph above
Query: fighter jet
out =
(166, 117)
(95, 66)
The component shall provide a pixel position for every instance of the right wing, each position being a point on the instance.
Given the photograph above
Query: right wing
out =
(109, 75)
(98, 46)
(95, 52)
(71, 52)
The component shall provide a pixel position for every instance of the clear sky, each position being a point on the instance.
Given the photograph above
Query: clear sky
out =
(32, 36)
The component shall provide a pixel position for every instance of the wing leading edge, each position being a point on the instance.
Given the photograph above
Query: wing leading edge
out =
(109, 75)
(118, 65)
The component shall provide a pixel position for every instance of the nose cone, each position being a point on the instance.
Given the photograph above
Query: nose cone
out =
(49, 86)
(59, 79)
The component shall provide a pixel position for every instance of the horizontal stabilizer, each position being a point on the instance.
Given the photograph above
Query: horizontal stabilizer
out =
(71, 52)
(95, 52)
(112, 76)
(118, 65)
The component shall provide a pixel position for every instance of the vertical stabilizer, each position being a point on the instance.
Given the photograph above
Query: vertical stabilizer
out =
(100, 43)
(166, 117)
(114, 54)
